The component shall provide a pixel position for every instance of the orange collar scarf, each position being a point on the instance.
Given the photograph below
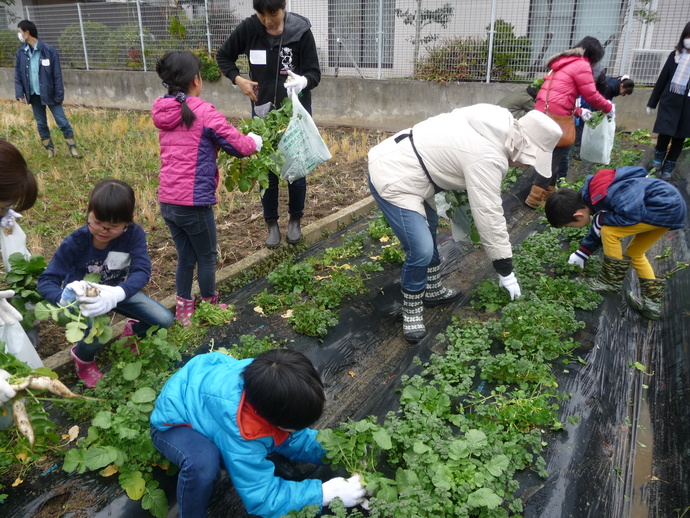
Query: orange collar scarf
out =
(253, 426)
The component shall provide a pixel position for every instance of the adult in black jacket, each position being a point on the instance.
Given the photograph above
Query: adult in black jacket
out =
(671, 95)
(38, 81)
(279, 45)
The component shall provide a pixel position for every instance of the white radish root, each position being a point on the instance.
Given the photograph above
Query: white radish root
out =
(21, 419)
(46, 383)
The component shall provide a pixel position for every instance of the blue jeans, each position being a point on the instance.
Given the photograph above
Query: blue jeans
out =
(41, 117)
(193, 230)
(199, 460)
(417, 235)
(297, 193)
(147, 311)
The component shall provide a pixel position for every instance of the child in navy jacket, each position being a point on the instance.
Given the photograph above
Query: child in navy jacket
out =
(621, 203)
(113, 246)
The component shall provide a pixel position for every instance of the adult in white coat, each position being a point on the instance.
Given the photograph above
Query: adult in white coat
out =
(467, 149)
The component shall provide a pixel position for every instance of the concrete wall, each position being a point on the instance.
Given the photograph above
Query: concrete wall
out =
(388, 105)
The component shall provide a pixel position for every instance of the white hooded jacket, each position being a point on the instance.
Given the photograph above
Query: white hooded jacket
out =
(465, 149)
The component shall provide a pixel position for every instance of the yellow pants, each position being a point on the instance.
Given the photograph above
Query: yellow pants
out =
(645, 236)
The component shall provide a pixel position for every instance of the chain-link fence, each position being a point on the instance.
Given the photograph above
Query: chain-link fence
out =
(437, 40)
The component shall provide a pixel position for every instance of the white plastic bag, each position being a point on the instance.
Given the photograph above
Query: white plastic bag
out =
(597, 142)
(18, 344)
(460, 223)
(301, 144)
(12, 240)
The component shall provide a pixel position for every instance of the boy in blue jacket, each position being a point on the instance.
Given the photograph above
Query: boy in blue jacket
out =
(621, 203)
(218, 410)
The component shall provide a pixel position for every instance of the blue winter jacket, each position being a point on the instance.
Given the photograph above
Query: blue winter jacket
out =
(206, 395)
(49, 74)
(626, 197)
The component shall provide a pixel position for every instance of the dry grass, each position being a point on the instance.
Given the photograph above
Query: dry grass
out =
(124, 145)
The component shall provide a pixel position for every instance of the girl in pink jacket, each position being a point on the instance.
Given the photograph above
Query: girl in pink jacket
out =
(190, 133)
(570, 77)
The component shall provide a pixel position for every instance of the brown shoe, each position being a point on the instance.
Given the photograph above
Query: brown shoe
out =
(536, 197)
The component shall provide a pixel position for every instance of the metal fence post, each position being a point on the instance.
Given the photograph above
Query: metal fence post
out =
(141, 35)
(208, 26)
(83, 37)
(379, 50)
(491, 41)
(628, 31)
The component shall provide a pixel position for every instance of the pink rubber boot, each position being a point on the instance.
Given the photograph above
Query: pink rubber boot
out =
(184, 309)
(128, 332)
(86, 371)
(214, 300)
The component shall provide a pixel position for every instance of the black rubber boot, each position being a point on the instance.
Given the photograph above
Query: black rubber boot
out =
(436, 293)
(48, 144)
(294, 232)
(273, 239)
(667, 169)
(413, 316)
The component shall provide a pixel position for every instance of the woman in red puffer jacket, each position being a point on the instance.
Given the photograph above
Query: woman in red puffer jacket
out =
(570, 76)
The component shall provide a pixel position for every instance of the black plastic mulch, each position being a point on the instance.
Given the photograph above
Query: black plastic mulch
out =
(629, 454)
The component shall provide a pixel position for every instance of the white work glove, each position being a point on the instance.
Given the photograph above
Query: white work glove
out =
(612, 112)
(73, 290)
(107, 299)
(259, 141)
(295, 83)
(578, 258)
(585, 114)
(651, 111)
(6, 392)
(9, 217)
(510, 283)
(8, 313)
(350, 491)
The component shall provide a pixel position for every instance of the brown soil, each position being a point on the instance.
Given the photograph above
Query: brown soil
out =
(334, 185)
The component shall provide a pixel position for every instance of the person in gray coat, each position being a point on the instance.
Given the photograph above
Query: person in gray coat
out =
(670, 94)
(468, 149)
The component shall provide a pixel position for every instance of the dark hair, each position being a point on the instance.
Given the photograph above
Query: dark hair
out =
(268, 6)
(17, 183)
(284, 388)
(26, 25)
(593, 50)
(561, 206)
(602, 82)
(627, 84)
(177, 69)
(112, 201)
(683, 35)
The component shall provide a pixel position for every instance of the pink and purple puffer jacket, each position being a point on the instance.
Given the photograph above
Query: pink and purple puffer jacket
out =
(572, 77)
(189, 174)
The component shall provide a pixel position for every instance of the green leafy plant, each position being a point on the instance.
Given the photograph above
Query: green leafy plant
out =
(213, 314)
(210, 71)
(77, 327)
(23, 279)
(250, 346)
(245, 173)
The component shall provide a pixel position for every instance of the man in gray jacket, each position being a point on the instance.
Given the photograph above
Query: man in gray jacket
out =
(38, 81)
(468, 149)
